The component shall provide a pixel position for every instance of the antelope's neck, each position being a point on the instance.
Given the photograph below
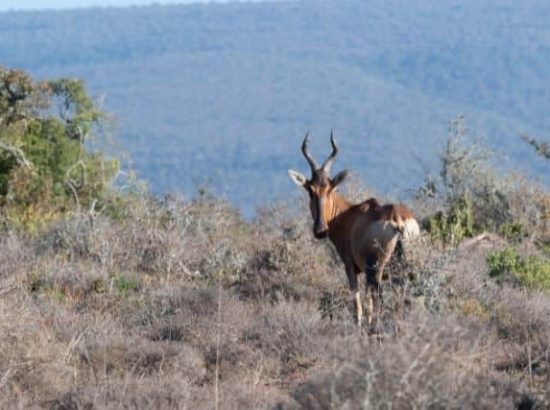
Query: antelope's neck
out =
(339, 206)
(337, 229)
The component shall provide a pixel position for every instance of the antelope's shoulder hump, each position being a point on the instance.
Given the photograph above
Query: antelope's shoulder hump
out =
(402, 212)
(368, 205)
(392, 213)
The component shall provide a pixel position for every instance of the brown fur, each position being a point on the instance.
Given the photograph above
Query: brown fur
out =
(365, 235)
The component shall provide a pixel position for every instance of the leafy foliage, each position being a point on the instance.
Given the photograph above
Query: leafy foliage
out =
(125, 284)
(452, 225)
(514, 231)
(45, 167)
(466, 188)
(532, 271)
(469, 194)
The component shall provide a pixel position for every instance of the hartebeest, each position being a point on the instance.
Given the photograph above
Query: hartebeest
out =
(365, 235)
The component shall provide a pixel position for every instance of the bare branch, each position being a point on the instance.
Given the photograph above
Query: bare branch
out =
(542, 148)
(17, 153)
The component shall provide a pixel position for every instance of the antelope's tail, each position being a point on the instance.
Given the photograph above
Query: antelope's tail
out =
(406, 229)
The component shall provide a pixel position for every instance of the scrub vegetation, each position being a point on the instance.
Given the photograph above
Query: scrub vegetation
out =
(112, 298)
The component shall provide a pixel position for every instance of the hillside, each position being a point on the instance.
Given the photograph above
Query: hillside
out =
(115, 299)
(183, 305)
(223, 93)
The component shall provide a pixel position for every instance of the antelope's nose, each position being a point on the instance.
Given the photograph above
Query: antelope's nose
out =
(320, 234)
(320, 231)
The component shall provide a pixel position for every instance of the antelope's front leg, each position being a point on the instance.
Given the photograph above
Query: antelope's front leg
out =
(354, 287)
(370, 305)
(358, 307)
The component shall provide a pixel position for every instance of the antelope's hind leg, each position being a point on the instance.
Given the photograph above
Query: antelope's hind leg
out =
(374, 275)
(374, 268)
(397, 264)
(389, 261)
(354, 287)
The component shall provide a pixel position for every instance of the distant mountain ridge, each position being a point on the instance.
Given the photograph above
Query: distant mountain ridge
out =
(224, 92)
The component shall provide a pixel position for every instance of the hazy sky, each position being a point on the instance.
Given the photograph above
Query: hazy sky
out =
(64, 4)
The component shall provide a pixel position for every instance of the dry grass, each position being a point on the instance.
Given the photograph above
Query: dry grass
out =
(174, 301)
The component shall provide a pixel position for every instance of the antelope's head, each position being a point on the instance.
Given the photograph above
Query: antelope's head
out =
(320, 188)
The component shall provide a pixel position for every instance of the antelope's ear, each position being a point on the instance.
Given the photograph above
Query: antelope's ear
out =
(298, 178)
(339, 178)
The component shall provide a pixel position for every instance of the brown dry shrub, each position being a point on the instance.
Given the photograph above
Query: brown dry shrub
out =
(131, 393)
(284, 262)
(434, 363)
(15, 256)
(156, 237)
(522, 326)
(292, 333)
(209, 320)
(519, 319)
(516, 321)
(177, 301)
(33, 360)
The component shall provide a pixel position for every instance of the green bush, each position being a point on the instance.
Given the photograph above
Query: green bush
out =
(453, 225)
(544, 247)
(125, 284)
(470, 195)
(513, 231)
(46, 166)
(536, 273)
(532, 272)
(504, 261)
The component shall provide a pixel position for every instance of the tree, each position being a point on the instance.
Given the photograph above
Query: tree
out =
(46, 168)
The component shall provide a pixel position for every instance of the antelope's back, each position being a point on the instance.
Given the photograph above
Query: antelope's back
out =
(379, 227)
(399, 216)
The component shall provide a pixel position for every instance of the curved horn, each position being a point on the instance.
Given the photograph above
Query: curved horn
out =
(310, 160)
(328, 163)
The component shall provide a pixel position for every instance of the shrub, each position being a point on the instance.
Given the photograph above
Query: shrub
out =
(452, 225)
(535, 273)
(412, 371)
(140, 302)
(125, 284)
(504, 261)
(469, 194)
(46, 166)
(514, 231)
(532, 272)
